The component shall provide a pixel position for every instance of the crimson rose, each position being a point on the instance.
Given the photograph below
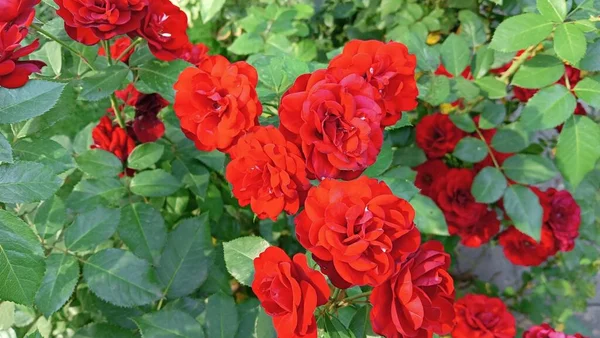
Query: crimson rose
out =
(14, 72)
(437, 135)
(480, 316)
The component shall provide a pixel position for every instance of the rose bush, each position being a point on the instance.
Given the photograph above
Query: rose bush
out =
(295, 169)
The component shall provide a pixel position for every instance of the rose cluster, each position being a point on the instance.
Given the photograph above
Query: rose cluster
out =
(15, 20)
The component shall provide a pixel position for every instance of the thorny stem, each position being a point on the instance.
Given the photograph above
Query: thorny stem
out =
(62, 43)
(348, 300)
(517, 63)
(489, 149)
(106, 46)
(128, 49)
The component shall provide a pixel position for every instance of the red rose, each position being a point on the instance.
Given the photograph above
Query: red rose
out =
(452, 193)
(268, 173)
(117, 48)
(357, 230)
(91, 21)
(217, 102)
(437, 135)
(289, 291)
(466, 73)
(572, 74)
(388, 67)
(147, 127)
(521, 249)
(479, 316)
(335, 123)
(17, 12)
(418, 300)
(564, 218)
(524, 94)
(113, 139)
(478, 233)
(14, 73)
(165, 29)
(488, 135)
(546, 331)
(427, 173)
(195, 54)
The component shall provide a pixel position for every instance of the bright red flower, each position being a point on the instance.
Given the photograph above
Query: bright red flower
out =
(217, 102)
(17, 12)
(564, 218)
(480, 316)
(91, 21)
(357, 230)
(289, 291)
(478, 233)
(165, 29)
(386, 66)
(335, 123)
(452, 193)
(521, 249)
(268, 173)
(147, 127)
(117, 48)
(112, 138)
(546, 331)
(195, 54)
(427, 173)
(466, 73)
(437, 135)
(14, 73)
(418, 300)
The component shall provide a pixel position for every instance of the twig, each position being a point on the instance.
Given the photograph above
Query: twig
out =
(62, 43)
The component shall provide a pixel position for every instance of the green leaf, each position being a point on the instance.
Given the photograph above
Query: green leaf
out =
(154, 183)
(31, 100)
(247, 43)
(90, 193)
(455, 54)
(360, 324)
(210, 8)
(384, 160)
(7, 315)
(464, 122)
(101, 84)
(529, 169)
(434, 89)
(24, 182)
(569, 43)
(45, 151)
(541, 71)
(400, 181)
(472, 28)
(193, 175)
(222, 319)
(489, 185)
(103, 330)
(143, 230)
(159, 77)
(169, 324)
(577, 150)
(483, 61)
(21, 260)
(410, 156)
(92, 228)
(264, 325)
(521, 31)
(588, 90)
(6, 154)
(591, 59)
(214, 160)
(494, 88)
(99, 163)
(429, 218)
(51, 53)
(277, 73)
(145, 155)
(428, 58)
(336, 329)
(115, 269)
(50, 217)
(62, 274)
(240, 254)
(511, 139)
(548, 108)
(247, 313)
(524, 209)
(471, 149)
(185, 260)
(493, 114)
(553, 10)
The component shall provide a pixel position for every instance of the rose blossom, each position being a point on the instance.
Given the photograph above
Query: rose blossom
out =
(289, 291)
(357, 230)
(427, 173)
(17, 12)
(335, 123)
(521, 249)
(117, 48)
(437, 135)
(546, 331)
(146, 124)
(14, 73)
(480, 316)
(268, 173)
(417, 301)
(112, 138)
